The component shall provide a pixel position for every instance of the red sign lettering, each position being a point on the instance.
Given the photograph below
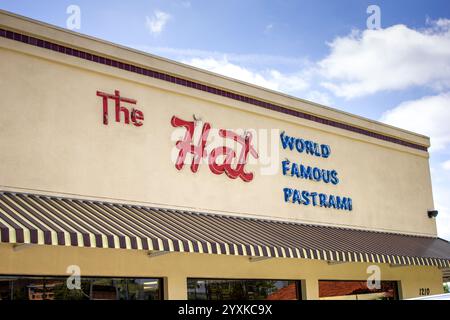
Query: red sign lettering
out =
(199, 151)
(137, 116)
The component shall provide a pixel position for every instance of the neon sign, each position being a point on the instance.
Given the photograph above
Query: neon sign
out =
(232, 164)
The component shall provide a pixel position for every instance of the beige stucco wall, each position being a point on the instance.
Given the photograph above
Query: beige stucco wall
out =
(177, 267)
(53, 140)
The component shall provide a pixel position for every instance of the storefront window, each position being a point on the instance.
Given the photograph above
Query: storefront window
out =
(55, 288)
(356, 290)
(209, 289)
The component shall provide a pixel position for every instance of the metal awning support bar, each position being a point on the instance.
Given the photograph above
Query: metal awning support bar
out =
(258, 259)
(22, 246)
(153, 254)
(332, 263)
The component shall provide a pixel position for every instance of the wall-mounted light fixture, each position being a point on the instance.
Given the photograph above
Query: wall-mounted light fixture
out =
(432, 213)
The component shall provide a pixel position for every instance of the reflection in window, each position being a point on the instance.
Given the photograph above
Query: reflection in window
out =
(356, 290)
(209, 289)
(55, 288)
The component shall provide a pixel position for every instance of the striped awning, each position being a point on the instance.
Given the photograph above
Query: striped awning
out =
(446, 275)
(47, 220)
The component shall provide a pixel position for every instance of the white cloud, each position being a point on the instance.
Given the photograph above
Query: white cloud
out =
(446, 165)
(260, 69)
(287, 82)
(438, 25)
(156, 23)
(249, 59)
(443, 220)
(318, 97)
(442, 224)
(394, 58)
(441, 190)
(359, 64)
(271, 79)
(429, 115)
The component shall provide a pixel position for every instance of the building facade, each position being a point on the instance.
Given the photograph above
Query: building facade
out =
(152, 179)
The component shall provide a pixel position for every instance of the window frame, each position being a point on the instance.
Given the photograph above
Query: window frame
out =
(396, 293)
(299, 283)
(12, 277)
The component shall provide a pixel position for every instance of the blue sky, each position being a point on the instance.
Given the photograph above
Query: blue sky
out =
(316, 50)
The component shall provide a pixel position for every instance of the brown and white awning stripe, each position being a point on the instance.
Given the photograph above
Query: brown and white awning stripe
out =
(45, 220)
